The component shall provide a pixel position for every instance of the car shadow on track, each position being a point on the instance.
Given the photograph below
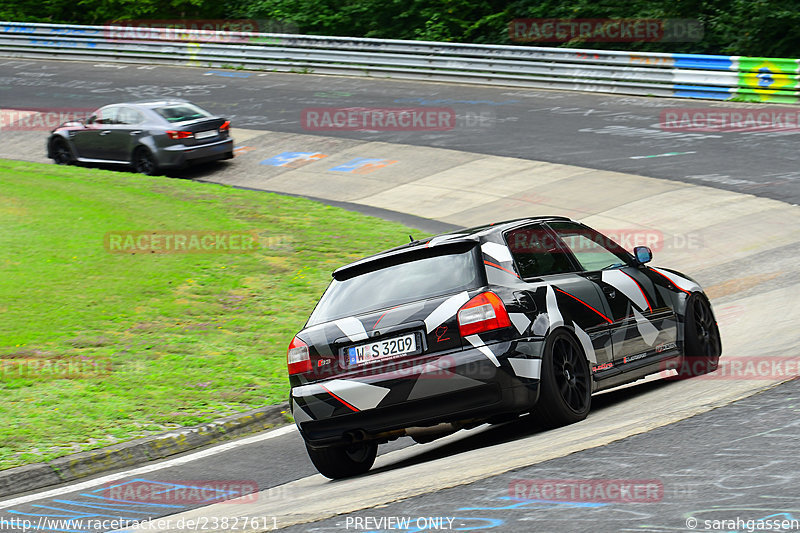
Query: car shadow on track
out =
(198, 172)
(192, 172)
(522, 427)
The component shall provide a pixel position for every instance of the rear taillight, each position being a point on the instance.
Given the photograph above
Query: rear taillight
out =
(297, 358)
(484, 312)
(225, 126)
(179, 134)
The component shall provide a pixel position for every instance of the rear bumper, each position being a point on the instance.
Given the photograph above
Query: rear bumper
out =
(460, 386)
(180, 155)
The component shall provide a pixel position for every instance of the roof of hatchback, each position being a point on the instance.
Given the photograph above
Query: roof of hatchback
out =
(453, 237)
(504, 225)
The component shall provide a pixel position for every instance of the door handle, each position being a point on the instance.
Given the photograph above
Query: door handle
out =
(105, 132)
(136, 132)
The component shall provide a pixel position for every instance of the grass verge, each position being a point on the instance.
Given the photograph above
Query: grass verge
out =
(99, 347)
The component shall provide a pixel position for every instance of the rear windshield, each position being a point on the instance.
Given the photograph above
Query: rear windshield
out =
(397, 284)
(181, 112)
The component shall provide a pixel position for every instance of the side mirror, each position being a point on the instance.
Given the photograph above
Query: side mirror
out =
(643, 254)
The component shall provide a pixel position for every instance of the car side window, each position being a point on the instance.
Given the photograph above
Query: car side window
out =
(536, 252)
(106, 115)
(129, 116)
(593, 250)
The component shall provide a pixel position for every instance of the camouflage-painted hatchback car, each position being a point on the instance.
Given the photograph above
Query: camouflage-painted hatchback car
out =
(482, 325)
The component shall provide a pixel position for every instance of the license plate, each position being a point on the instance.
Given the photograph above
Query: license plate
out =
(205, 134)
(381, 350)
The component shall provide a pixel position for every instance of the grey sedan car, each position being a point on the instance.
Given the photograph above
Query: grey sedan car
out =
(149, 136)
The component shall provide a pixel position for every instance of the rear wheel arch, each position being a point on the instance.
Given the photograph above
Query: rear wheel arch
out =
(566, 381)
(568, 330)
(565, 328)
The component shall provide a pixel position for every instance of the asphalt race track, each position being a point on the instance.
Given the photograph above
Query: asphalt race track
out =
(716, 479)
(722, 206)
(606, 132)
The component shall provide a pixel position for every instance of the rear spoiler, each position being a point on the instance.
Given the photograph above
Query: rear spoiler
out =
(404, 255)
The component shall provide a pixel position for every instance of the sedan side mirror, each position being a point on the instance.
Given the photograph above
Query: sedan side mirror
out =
(643, 254)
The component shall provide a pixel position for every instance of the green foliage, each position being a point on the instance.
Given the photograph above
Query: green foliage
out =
(765, 28)
(736, 27)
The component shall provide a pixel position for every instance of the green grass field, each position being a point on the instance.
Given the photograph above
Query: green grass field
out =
(99, 347)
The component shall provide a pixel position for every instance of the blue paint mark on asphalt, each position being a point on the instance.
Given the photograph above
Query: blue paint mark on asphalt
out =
(168, 488)
(90, 506)
(541, 503)
(128, 502)
(355, 164)
(783, 516)
(475, 523)
(488, 523)
(287, 158)
(116, 507)
(83, 515)
(426, 524)
(226, 74)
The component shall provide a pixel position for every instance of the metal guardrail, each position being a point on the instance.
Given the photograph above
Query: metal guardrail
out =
(638, 73)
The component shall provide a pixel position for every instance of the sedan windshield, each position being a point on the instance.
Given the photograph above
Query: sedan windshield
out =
(182, 112)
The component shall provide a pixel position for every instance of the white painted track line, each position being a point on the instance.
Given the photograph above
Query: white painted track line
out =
(151, 467)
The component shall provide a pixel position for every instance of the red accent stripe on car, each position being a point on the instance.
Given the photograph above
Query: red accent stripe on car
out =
(338, 398)
(587, 305)
(671, 282)
(501, 268)
(383, 315)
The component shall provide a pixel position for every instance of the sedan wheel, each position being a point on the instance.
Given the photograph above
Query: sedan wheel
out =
(566, 384)
(702, 344)
(61, 153)
(143, 162)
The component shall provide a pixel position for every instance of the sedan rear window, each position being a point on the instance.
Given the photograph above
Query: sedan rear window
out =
(398, 284)
(181, 112)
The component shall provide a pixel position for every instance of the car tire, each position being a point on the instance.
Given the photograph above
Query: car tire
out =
(61, 153)
(702, 345)
(143, 162)
(337, 462)
(565, 395)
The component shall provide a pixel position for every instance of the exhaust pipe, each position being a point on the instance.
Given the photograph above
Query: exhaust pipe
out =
(423, 435)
